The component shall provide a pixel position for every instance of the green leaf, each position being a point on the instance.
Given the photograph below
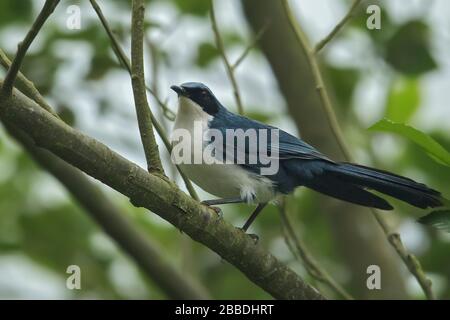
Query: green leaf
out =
(231, 38)
(15, 11)
(408, 50)
(206, 53)
(403, 99)
(194, 7)
(439, 219)
(431, 146)
(101, 63)
(344, 81)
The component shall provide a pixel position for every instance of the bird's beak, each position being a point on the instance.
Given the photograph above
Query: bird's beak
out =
(179, 90)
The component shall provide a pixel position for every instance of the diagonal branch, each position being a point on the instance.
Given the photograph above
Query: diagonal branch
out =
(22, 48)
(337, 28)
(311, 265)
(394, 239)
(145, 252)
(156, 194)
(249, 47)
(123, 59)
(144, 115)
(26, 85)
(320, 86)
(221, 47)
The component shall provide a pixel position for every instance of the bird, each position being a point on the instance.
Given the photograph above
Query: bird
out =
(299, 164)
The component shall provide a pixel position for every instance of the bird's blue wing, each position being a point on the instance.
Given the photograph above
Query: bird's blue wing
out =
(288, 146)
(293, 147)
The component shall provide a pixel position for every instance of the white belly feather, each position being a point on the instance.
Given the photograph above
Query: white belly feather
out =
(221, 180)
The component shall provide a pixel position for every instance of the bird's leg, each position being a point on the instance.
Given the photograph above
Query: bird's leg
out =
(249, 221)
(252, 218)
(214, 202)
(211, 203)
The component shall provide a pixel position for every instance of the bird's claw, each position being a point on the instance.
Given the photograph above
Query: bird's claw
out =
(252, 236)
(217, 210)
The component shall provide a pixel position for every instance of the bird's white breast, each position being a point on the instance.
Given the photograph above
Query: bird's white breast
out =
(220, 179)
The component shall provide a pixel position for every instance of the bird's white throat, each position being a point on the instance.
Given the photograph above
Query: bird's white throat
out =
(189, 113)
(220, 179)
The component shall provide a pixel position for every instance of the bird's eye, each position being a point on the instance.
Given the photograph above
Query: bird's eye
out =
(203, 92)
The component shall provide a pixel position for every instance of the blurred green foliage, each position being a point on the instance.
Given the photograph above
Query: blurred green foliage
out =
(403, 100)
(344, 82)
(194, 7)
(206, 53)
(15, 12)
(439, 219)
(408, 50)
(55, 233)
(431, 146)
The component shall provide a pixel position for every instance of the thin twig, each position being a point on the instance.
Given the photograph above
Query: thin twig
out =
(410, 261)
(161, 126)
(168, 30)
(168, 146)
(338, 27)
(22, 48)
(26, 85)
(250, 47)
(123, 59)
(186, 262)
(154, 193)
(145, 252)
(143, 112)
(320, 86)
(221, 47)
(169, 114)
(150, 257)
(311, 265)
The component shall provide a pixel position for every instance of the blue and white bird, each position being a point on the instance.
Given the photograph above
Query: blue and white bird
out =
(299, 165)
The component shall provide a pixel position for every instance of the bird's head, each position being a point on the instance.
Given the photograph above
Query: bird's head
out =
(199, 94)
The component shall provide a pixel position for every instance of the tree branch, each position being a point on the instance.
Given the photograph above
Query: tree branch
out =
(156, 194)
(410, 261)
(249, 47)
(22, 48)
(288, 61)
(320, 86)
(123, 59)
(26, 86)
(337, 28)
(145, 252)
(221, 47)
(311, 265)
(144, 115)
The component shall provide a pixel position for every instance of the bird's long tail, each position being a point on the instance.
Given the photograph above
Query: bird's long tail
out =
(349, 182)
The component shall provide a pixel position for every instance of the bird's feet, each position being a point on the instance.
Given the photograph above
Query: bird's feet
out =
(252, 236)
(217, 210)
